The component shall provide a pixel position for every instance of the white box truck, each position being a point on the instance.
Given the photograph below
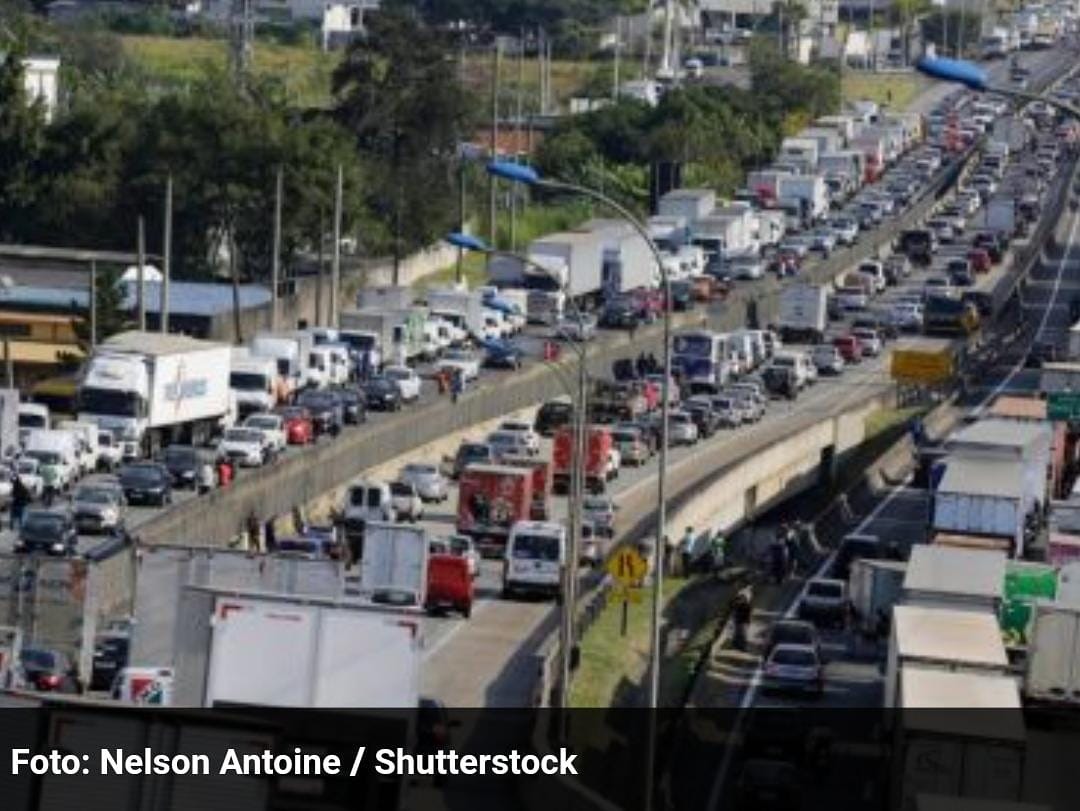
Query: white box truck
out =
(257, 649)
(803, 313)
(255, 382)
(810, 191)
(462, 308)
(573, 266)
(393, 566)
(151, 390)
(983, 497)
(1053, 659)
(290, 352)
(399, 334)
(628, 262)
(1001, 215)
(689, 204)
(874, 586)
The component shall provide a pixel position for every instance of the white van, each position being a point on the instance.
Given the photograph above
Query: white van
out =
(87, 434)
(876, 272)
(328, 365)
(800, 363)
(535, 556)
(57, 448)
(31, 416)
(368, 501)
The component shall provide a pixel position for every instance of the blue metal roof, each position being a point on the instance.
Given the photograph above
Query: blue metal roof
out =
(185, 298)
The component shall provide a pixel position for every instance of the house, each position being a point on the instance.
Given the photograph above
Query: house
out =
(341, 24)
(41, 78)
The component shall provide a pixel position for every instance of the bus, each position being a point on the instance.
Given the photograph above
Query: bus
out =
(703, 358)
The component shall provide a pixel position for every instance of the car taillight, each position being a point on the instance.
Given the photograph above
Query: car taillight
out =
(50, 682)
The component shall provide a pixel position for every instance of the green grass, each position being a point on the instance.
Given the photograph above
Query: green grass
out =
(889, 419)
(303, 69)
(608, 659)
(903, 87)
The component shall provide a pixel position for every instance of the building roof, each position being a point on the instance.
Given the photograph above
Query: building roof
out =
(998, 432)
(185, 298)
(949, 635)
(1003, 478)
(13, 317)
(948, 570)
(42, 352)
(1010, 406)
(154, 343)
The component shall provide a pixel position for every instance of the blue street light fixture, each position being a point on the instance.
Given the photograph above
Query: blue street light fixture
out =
(515, 173)
(467, 242)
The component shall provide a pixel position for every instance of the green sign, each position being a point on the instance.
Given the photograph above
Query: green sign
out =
(1063, 405)
(1024, 583)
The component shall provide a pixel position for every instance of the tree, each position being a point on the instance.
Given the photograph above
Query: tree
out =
(22, 137)
(905, 13)
(398, 95)
(111, 314)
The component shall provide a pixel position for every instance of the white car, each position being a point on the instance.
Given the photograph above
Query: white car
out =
(407, 381)
(682, 430)
(406, 502)
(272, 427)
(507, 443)
(614, 462)
(575, 328)
(869, 340)
(525, 429)
(846, 230)
(27, 470)
(110, 452)
(460, 360)
(827, 359)
(463, 547)
(247, 447)
(428, 480)
(728, 410)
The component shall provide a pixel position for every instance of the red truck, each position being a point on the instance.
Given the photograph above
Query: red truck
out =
(491, 498)
(541, 483)
(598, 444)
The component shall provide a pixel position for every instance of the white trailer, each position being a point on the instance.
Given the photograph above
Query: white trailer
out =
(803, 312)
(393, 568)
(689, 204)
(462, 308)
(828, 139)
(874, 586)
(946, 577)
(151, 389)
(942, 639)
(810, 191)
(257, 649)
(290, 352)
(573, 265)
(723, 235)
(1053, 659)
(255, 382)
(800, 151)
(983, 497)
(628, 262)
(387, 297)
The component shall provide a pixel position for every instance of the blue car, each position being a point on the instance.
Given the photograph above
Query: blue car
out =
(501, 355)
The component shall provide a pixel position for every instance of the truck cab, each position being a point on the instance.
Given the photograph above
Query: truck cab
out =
(31, 416)
(535, 556)
(254, 381)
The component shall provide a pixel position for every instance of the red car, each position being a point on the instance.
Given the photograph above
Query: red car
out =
(850, 348)
(299, 429)
(649, 302)
(980, 260)
(449, 585)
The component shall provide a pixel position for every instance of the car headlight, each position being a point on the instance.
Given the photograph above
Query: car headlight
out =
(57, 547)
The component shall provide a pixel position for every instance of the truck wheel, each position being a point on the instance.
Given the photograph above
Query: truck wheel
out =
(466, 610)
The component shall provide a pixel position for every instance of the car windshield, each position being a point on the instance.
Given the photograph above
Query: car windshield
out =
(176, 457)
(43, 525)
(248, 381)
(45, 457)
(421, 470)
(25, 466)
(242, 435)
(398, 374)
(821, 589)
(94, 495)
(401, 489)
(267, 423)
(140, 475)
(536, 547)
(797, 657)
(460, 546)
(314, 399)
(365, 497)
(475, 451)
(380, 385)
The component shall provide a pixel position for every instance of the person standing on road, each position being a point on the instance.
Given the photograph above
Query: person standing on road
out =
(687, 551)
(740, 617)
(778, 556)
(457, 385)
(20, 497)
(718, 552)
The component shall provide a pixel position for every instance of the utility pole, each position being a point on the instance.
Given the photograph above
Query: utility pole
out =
(335, 271)
(319, 270)
(459, 275)
(140, 275)
(618, 49)
(515, 190)
(93, 304)
(494, 146)
(166, 257)
(275, 258)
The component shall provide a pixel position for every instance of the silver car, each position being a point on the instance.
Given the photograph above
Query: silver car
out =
(428, 480)
(794, 668)
(98, 508)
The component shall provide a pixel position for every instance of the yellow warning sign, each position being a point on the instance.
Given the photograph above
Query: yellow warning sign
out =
(627, 594)
(627, 566)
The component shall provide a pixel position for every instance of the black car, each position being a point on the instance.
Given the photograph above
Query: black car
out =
(327, 411)
(620, 313)
(706, 420)
(780, 381)
(354, 403)
(48, 670)
(183, 463)
(48, 532)
(552, 416)
(382, 394)
(111, 651)
(682, 295)
(146, 483)
(472, 453)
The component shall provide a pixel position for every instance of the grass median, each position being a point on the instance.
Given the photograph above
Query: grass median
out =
(894, 90)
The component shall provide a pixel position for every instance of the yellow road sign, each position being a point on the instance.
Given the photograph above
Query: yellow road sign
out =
(921, 366)
(627, 566)
(626, 593)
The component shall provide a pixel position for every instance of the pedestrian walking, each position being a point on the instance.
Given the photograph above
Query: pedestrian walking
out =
(20, 497)
(791, 548)
(206, 477)
(270, 535)
(778, 560)
(687, 551)
(457, 385)
(741, 611)
(254, 532)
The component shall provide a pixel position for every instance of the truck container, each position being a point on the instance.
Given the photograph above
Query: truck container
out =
(385, 297)
(911, 125)
(399, 334)
(846, 163)
(164, 571)
(828, 139)
(942, 639)
(764, 184)
(248, 648)
(962, 737)
(722, 235)
(964, 579)
(1001, 215)
(462, 308)
(982, 497)
(689, 204)
(598, 445)
(872, 145)
(573, 267)
(490, 499)
(255, 382)
(803, 313)
(290, 351)
(152, 389)
(669, 233)
(843, 125)
(1053, 659)
(874, 587)
(393, 564)
(541, 483)
(628, 262)
(810, 191)
(800, 151)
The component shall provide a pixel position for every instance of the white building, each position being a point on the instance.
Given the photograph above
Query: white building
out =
(41, 75)
(341, 23)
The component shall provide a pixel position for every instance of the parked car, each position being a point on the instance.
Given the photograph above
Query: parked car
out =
(824, 602)
(47, 532)
(794, 668)
(299, 429)
(407, 381)
(146, 483)
(382, 394)
(406, 502)
(47, 670)
(97, 509)
(427, 479)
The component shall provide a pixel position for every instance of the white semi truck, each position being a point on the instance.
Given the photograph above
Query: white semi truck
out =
(151, 389)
